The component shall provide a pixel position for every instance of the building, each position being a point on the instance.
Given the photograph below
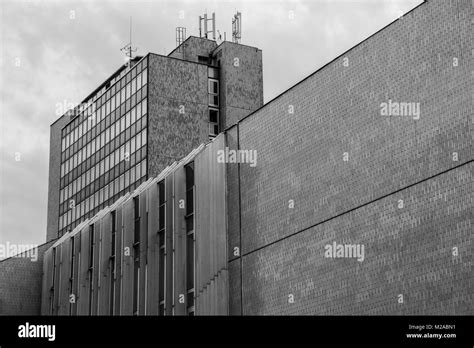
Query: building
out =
(363, 205)
(158, 251)
(149, 113)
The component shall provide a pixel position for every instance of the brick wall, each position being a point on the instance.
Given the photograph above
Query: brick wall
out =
(172, 135)
(330, 165)
(20, 285)
(193, 47)
(241, 81)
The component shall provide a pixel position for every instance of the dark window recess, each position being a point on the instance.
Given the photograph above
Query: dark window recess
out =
(190, 244)
(190, 261)
(213, 115)
(162, 249)
(71, 276)
(203, 59)
(136, 255)
(91, 265)
(112, 265)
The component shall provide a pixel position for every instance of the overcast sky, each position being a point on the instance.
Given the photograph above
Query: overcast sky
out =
(59, 51)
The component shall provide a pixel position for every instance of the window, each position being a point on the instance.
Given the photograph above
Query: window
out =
(213, 92)
(190, 244)
(136, 256)
(133, 115)
(161, 241)
(139, 110)
(143, 165)
(144, 77)
(213, 72)
(91, 265)
(213, 122)
(213, 86)
(144, 107)
(139, 81)
(127, 120)
(203, 59)
(112, 265)
(71, 275)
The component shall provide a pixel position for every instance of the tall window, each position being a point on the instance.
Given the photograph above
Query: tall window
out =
(213, 122)
(91, 266)
(112, 265)
(51, 290)
(71, 277)
(162, 250)
(190, 243)
(136, 256)
(213, 91)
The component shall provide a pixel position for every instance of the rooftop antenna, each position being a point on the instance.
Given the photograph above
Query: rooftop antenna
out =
(180, 37)
(237, 27)
(128, 48)
(203, 32)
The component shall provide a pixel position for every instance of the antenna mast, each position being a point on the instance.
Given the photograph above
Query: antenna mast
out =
(129, 49)
(203, 32)
(237, 27)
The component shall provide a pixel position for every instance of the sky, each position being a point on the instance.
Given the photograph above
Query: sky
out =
(56, 52)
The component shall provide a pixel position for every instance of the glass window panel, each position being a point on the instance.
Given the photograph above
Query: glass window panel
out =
(144, 77)
(122, 95)
(112, 131)
(132, 145)
(127, 147)
(137, 172)
(144, 106)
(127, 119)
(134, 86)
(139, 110)
(127, 178)
(139, 140)
(122, 124)
(122, 152)
(122, 182)
(144, 137)
(139, 81)
(128, 90)
(143, 165)
(133, 115)
(132, 175)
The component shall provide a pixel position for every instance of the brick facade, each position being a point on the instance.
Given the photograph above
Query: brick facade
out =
(331, 167)
(175, 85)
(20, 285)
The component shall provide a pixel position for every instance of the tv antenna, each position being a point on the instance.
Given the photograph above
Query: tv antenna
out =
(237, 27)
(203, 31)
(128, 49)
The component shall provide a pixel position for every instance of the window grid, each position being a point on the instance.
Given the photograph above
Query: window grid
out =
(104, 147)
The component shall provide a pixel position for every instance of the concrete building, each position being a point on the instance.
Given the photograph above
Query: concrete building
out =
(349, 193)
(158, 251)
(146, 115)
